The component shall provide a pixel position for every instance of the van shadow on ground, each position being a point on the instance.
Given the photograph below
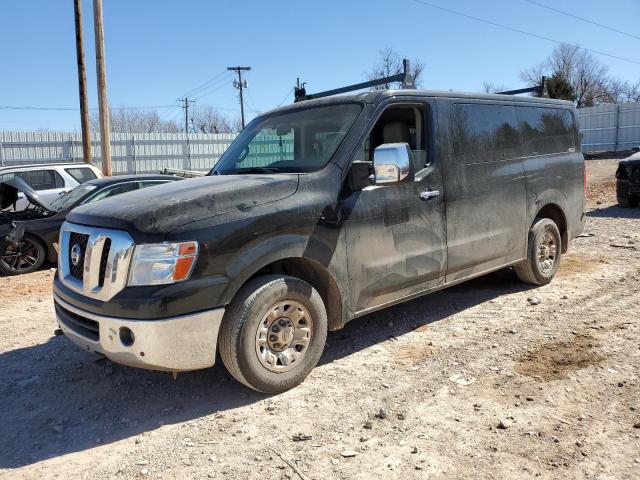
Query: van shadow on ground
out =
(57, 399)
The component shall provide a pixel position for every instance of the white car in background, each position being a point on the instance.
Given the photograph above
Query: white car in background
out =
(49, 180)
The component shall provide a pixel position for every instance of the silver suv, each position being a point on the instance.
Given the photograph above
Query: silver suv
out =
(49, 180)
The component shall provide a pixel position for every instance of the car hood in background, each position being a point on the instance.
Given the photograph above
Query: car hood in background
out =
(9, 194)
(158, 210)
(632, 160)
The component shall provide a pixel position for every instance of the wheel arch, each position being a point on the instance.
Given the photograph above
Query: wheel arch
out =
(554, 212)
(297, 256)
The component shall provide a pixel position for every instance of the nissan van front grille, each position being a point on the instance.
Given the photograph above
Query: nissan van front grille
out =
(96, 262)
(80, 240)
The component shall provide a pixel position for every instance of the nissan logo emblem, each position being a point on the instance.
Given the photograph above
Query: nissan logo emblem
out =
(76, 251)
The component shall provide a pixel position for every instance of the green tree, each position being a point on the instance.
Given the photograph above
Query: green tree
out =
(559, 87)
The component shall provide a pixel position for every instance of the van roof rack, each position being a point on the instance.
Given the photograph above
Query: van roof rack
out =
(403, 77)
(541, 89)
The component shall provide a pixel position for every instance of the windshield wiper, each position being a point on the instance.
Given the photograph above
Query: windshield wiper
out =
(256, 170)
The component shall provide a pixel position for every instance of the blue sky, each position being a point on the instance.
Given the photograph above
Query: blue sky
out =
(157, 50)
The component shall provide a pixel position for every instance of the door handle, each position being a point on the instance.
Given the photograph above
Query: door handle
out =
(427, 194)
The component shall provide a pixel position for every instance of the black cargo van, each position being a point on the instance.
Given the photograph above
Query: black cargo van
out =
(318, 213)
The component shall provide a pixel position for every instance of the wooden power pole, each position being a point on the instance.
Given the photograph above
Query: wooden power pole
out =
(240, 85)
(82, 85)
(103, 102)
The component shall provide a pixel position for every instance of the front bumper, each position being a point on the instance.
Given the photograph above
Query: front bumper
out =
(181, 343)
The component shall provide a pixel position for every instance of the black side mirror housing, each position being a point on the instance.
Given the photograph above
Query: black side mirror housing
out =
(360, 175)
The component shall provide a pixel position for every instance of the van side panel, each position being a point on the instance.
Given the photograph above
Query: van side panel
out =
(554, 164)
(485, 186)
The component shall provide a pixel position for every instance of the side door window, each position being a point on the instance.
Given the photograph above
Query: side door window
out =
(546, 130)
(114, 190)
(81, 174)
(398, 124)
(41, 180)
(5, 177)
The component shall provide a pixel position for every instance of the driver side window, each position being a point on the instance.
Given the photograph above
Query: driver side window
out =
(398, 124)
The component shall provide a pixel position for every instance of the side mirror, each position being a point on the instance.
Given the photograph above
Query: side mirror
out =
(360, 175)
(392, 164)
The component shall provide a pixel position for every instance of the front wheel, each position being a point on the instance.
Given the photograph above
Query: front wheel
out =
(543, 253)
(273, 333)
(26, 256)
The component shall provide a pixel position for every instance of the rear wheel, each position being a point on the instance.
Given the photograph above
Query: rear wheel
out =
(273, 333)
(543, 253)
(26, 256)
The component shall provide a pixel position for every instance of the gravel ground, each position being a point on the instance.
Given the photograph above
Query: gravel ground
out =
(489, 379)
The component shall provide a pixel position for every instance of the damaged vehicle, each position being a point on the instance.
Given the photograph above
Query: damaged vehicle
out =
(27, 237)
(628, 180)
(319, 213)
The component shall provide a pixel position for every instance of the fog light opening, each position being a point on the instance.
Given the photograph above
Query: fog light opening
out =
(126, 336)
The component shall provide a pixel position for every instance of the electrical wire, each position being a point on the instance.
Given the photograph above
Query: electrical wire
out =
(251, 103)
(204, 85)
(523, 32)
(222, 85)
(286, 97)
(586, 20)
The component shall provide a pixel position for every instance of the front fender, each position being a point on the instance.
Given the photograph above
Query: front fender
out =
(254, 257)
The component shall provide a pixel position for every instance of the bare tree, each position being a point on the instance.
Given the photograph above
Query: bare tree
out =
(389, 63)
(131, 120)
(625, 91)
(206, 119)
(490, 87)
(589, 77)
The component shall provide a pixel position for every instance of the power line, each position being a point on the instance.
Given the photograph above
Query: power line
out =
(586, 20)
(517, 30)
(204, 85)
(286, 97)
(223, 82)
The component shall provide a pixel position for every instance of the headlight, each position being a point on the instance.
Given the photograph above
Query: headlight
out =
(162, 263)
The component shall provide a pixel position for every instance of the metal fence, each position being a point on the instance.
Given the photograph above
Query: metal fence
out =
(610, 127)
(130, 152)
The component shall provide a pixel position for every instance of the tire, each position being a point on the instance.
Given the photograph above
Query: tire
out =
(624, 202)
(253, 341)
(26, 258)
(534, 270)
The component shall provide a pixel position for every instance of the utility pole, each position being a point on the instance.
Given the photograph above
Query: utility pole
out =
(185, 105)
(82, 84)
(103, 102)
(240, 85)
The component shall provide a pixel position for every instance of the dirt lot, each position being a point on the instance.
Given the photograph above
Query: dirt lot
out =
(473, 382)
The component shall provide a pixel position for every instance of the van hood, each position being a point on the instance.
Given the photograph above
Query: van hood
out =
(160, 209)
(9, 194)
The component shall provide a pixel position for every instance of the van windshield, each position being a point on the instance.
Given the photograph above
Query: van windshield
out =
(294, 142)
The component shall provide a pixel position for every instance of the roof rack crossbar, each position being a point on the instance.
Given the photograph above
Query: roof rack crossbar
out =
(404, 77)
(539, 89)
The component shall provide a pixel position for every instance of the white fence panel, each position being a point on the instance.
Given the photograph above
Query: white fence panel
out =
(610, 127)
(130, 153)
